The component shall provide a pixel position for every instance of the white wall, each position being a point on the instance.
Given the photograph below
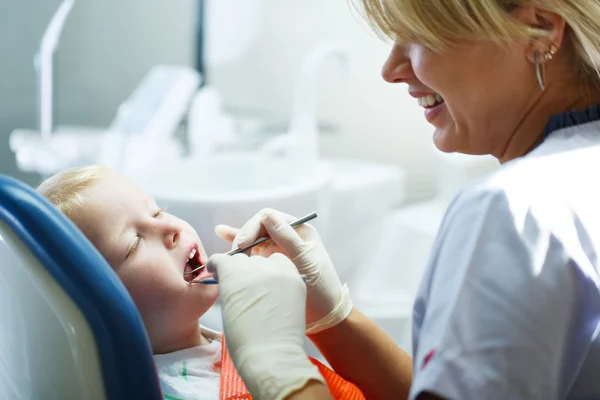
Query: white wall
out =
(106, 48)
(377, 120)
(21, 24)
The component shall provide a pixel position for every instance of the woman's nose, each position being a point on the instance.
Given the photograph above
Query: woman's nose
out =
(397, 68)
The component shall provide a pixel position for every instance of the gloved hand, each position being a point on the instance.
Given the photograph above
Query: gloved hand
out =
(328, 302)
(263, 316)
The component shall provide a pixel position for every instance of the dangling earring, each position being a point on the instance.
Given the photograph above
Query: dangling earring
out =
(540, 68)
(540, 72)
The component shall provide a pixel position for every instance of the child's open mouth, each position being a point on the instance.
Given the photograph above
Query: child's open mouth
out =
(192, 263)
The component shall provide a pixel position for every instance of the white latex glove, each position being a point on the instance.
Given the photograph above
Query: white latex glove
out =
(263, 316)
(328, 302)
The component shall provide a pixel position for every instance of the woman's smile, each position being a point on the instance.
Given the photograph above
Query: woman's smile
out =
(433, 103)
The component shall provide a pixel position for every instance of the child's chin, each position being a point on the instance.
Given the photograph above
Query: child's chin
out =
(207, 295)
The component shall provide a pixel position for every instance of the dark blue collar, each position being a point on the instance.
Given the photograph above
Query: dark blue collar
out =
(571, 118)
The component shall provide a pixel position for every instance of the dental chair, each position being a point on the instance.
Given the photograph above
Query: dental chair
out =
(68, 327)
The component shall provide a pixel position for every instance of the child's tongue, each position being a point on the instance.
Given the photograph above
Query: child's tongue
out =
(204, 274)
(187, 269)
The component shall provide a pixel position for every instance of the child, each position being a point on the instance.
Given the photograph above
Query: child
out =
(150, 250)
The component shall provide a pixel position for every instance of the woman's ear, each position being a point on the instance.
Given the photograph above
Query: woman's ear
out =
(546, 46)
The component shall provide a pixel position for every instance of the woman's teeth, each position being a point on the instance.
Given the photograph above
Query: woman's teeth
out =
(430, 100)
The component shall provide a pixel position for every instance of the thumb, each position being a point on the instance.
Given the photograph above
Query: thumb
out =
(226, 232)
(282, 233)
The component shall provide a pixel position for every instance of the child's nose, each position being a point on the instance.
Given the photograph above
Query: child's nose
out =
(171, 234)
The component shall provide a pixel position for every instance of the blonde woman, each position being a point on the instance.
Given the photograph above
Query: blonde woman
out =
(509, 307)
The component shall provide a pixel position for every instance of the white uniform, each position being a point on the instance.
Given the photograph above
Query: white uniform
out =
(193, 373)
(509, 307)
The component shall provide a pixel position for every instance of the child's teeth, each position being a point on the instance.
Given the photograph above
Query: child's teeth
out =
(192, 253)
(438, 97)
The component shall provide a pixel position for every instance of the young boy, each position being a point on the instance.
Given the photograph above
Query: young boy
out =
(149, 249)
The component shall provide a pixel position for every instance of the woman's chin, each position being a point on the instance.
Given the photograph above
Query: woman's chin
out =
(443, 140)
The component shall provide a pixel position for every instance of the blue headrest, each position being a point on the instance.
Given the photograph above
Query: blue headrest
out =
(124, 349)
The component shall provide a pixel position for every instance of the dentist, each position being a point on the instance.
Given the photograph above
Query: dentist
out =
(509, 306)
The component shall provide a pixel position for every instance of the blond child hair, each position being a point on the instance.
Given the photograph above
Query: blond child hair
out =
(64, 189)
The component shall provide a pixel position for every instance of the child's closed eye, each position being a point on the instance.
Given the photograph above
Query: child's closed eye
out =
(138, 240)
(136, 246)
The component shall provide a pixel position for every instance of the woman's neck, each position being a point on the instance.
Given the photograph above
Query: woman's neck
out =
(565, 91)
(556, 99)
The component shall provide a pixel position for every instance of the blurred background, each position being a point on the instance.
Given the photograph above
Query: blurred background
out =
(108, 46)
(220, 107)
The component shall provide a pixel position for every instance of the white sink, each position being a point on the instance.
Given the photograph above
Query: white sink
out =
(230, 188)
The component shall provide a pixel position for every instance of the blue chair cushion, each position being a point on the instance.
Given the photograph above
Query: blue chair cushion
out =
(124, 349)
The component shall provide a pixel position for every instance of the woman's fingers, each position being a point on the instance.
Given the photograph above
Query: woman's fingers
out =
(253, 229)
(229, 233)
(226, 232)
(278, 228)
(284, 239)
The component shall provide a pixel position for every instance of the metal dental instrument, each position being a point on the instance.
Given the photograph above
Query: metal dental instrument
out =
(211, 281)
(258, 241)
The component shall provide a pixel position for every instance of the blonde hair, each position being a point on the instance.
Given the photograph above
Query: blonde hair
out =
(64, 189)
(437, 23)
